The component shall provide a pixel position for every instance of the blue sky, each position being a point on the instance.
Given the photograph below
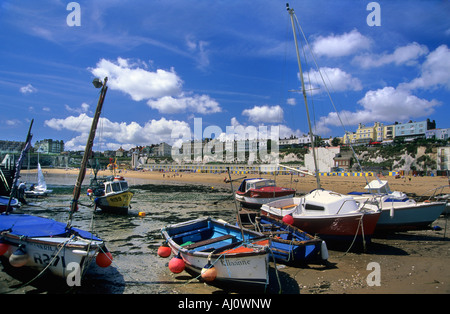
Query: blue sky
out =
(231, 63)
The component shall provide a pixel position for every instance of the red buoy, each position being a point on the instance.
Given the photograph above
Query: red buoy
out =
(164, 251)
(176, 264)
(104, 259)
(288, 219)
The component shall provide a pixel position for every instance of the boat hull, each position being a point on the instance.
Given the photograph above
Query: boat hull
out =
(257, 202)
(234, 261)
(117, 203)
(292, 245)
(411, 217)
(337, 227)
(47, 244)
(4, 203)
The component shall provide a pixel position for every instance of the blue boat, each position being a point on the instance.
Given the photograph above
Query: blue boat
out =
(216, 251)
(289, 244)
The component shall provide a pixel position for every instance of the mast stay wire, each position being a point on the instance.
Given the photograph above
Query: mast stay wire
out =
(327, 90)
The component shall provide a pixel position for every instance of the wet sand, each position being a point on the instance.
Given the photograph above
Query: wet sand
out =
(414, 262)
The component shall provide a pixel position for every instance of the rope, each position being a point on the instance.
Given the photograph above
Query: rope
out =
(44, 269)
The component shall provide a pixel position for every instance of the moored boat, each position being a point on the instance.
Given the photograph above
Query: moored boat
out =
(328, 215)
(4, 200)
(288, 243)
(398, 211)
(206, 243)
(41, 188)
(111, 194)
(252, 193)
(45, 244)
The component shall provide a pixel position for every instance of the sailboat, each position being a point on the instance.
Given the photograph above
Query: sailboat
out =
(45, 244)
(327, 214)
(41, 188)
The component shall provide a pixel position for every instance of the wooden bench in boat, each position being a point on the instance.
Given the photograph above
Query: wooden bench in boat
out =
(208, 241)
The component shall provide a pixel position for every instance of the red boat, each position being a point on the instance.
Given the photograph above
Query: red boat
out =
(252, 193)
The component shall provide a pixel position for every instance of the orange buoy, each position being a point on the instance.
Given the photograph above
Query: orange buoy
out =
(288, 219)
(209, 272)
(176, 264)
(104, 258)
(164, 250)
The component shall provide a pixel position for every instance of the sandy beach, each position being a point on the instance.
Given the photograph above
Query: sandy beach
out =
(411, 185)
(414, 262)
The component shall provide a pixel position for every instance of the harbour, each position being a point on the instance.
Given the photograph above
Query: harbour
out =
(410, 262)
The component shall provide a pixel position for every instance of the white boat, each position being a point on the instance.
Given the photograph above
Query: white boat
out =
(206, 241)
(252, 193)
(41, 188)
(45, 244)
(331, 216)
(327, 214)
(398, 211)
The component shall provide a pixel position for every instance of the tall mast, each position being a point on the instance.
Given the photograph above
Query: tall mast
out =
(88, 150)
(291, 14)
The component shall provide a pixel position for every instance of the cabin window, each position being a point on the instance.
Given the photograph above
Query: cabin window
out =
(124, 185)
(116, 187)
(108, 188)
(313, 207)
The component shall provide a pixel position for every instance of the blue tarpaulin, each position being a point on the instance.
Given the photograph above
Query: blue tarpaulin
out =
(34, 226)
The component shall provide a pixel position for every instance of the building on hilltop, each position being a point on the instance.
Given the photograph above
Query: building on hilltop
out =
(49, 146)
(385, 133)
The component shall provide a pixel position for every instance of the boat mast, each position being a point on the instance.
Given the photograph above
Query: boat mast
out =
(19, 166)
(88, 150)
(291, 14)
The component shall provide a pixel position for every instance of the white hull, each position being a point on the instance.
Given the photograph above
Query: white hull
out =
(59, 254)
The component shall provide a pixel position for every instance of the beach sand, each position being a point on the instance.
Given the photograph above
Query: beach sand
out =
(408, 263)
(411, 185)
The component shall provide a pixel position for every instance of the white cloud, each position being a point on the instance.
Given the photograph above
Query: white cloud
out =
(383, 105)
(407, 55)
(273, 114)
(117, 134)
(335, 78)
(341, 45)
(435, 71)
(130, 78)
(28, 89)
(161, 89)
(199, 48)
(196, 103)
(83, 108)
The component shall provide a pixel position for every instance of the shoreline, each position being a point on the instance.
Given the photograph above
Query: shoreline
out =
(417, 186)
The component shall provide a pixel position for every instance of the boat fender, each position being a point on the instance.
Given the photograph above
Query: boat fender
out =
(104, 258)
(19, 258)
(176, 264)
(288, 219)
(164, 251)
(391, 212)
(209, 272)
(4, 247)
(324, 251)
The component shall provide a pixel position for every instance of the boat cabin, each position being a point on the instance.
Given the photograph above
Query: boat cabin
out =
(117, 185)
(255, 184)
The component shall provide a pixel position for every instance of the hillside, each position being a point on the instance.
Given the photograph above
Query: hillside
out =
(418, 156)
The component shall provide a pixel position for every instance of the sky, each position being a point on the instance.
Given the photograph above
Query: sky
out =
(183, 69)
